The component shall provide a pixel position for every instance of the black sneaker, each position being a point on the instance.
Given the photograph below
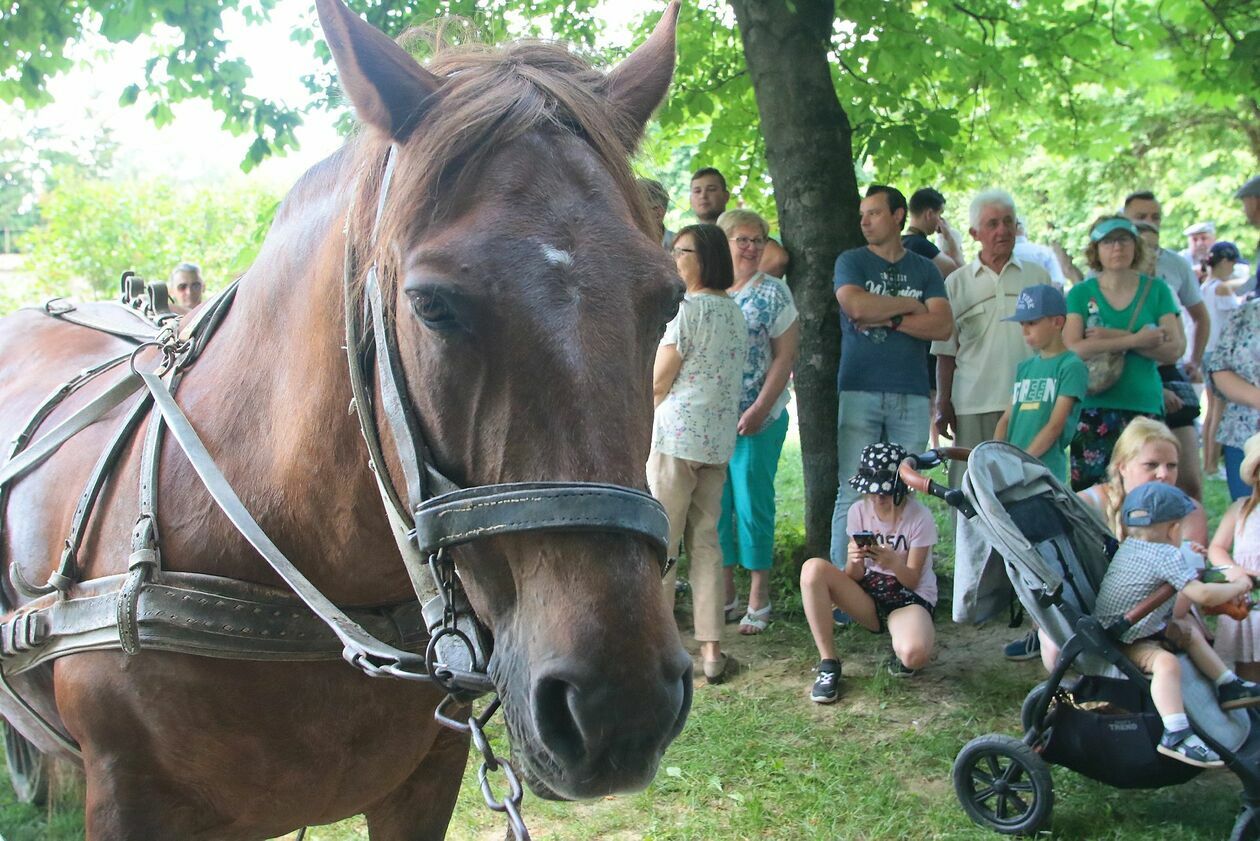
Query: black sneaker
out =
(1184, 746)
(896, 668)
(1238, 693)
(1027, 647)
(826, 686)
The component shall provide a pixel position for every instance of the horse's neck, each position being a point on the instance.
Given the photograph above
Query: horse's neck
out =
(271, 394)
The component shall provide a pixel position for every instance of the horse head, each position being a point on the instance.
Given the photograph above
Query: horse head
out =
(528, 299)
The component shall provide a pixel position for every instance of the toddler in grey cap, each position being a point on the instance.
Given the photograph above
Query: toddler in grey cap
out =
(1149, 557)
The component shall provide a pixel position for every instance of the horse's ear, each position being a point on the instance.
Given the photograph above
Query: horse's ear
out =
(637, 85)
(387, 86)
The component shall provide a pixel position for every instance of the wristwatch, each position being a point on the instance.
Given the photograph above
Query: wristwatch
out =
(894, 322)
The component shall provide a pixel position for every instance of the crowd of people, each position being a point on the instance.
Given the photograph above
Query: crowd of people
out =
(1131, 380)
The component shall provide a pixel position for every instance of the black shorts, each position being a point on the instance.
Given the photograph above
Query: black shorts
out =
(889, 594)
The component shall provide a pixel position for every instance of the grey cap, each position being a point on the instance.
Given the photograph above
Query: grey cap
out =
(1250, 189)
(1200, 228)
(1154, 503)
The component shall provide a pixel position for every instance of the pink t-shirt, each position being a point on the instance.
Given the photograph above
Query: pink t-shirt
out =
(912, 528)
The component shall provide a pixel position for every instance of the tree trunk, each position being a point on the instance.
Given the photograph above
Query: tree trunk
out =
(810, 156)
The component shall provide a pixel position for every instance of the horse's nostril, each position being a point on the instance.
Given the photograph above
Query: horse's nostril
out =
(554, 702)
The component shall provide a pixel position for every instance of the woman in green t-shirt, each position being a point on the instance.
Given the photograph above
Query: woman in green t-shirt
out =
(1100, 310)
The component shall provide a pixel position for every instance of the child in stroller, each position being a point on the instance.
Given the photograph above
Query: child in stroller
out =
(1150, 556)
(1026, 531)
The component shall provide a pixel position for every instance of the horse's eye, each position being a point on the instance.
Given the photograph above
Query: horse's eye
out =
(432, 309)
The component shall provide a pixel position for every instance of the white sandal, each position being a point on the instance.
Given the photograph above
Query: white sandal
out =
(755, 621)
(732, 610)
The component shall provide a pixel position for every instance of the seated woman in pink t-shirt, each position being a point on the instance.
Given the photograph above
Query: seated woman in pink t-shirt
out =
(887, 581)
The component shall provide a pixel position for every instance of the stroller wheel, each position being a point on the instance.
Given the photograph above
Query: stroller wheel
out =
(1247, 827)
(28, 768)
(1004, 785)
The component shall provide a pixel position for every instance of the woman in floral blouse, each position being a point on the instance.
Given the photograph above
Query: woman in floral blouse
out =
(1235, 371)
(746, 528)
(695, 383)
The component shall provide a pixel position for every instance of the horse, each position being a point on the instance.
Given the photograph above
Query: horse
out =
(518, 276)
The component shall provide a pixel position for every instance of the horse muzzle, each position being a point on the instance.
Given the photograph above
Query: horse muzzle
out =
(601, 729)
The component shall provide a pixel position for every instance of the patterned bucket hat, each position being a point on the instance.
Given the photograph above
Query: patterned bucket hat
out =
(877, 469)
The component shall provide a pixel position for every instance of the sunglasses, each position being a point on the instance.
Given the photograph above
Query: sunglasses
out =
(881, 475)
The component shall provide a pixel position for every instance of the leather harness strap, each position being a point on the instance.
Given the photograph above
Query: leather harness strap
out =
(99, 406)
(359, 645)
(191, 613)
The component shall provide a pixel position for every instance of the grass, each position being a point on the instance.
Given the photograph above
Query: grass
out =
(758, 760)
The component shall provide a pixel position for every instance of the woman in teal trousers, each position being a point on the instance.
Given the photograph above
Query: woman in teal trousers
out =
(746, 527)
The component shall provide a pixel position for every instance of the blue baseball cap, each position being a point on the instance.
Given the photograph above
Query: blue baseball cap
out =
(1224, 250)
(1115, 223)
(1038, 301)
(1154, 503)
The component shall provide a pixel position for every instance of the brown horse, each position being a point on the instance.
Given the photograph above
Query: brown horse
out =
(528, 299)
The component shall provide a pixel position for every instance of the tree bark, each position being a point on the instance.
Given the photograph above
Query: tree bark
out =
(809, 153)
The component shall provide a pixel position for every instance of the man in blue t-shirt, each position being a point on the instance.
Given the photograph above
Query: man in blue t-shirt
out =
(892, 306)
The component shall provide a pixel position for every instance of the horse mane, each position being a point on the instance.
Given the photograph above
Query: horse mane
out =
(489, 97)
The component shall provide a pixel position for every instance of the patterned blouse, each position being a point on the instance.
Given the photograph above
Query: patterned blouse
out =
(1238, 350)
(769, 310)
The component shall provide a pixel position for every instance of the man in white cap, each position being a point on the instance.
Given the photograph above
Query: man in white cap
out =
(1200, 236)
(1250, 195)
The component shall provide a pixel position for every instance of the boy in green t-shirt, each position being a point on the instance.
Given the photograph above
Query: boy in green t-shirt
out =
(1049, 386)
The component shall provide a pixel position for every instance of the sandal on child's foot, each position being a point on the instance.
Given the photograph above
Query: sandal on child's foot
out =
(755, 621)
(733, 610)
(1186, 747)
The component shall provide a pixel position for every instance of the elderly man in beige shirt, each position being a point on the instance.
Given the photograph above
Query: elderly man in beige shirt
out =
(975, 366)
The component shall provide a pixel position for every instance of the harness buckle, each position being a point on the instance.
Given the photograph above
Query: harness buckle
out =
(23, 632)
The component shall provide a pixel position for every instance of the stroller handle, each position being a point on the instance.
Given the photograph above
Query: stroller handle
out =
(1139, 611)
(909, 472)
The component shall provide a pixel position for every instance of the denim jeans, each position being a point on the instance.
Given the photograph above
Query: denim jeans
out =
(867, 417)
(1233, 458)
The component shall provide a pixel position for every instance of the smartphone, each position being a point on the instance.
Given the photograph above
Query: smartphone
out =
(863, 538)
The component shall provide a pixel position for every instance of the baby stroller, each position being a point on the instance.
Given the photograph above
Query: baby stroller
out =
(1033, 535)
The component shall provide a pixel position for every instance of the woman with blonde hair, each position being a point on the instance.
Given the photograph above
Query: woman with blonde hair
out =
(1147, 451)
(1121, 311)
(746, 529)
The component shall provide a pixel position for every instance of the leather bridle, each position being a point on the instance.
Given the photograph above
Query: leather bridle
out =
(432, 523)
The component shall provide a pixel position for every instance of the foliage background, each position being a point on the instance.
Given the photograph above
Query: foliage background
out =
(94, 229)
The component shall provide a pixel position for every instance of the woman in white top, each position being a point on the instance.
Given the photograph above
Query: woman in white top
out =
(696, 382)
(1220, 295)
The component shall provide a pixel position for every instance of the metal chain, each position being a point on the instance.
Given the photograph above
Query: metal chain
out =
(448, 584)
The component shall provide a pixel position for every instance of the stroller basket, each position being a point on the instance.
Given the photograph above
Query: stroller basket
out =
(1107, 730)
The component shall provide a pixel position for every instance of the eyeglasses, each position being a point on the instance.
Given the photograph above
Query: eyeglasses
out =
(744, 242)
(678, 252)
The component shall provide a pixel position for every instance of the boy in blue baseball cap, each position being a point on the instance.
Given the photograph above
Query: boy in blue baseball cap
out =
(1149, 557)
(1049, 386)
